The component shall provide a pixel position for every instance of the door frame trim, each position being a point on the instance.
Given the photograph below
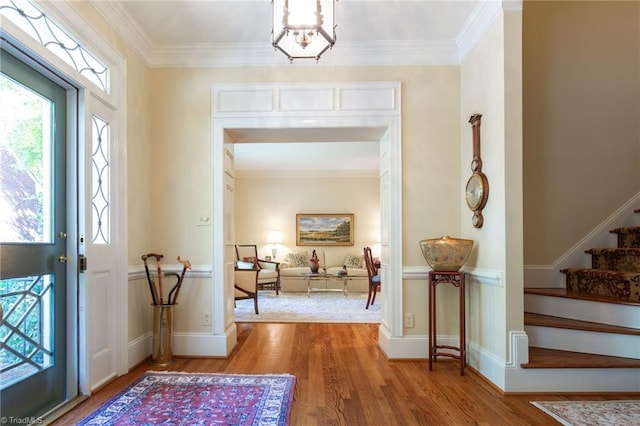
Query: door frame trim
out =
(308, 105)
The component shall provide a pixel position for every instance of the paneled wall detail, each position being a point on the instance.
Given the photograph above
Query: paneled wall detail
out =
(369, 98)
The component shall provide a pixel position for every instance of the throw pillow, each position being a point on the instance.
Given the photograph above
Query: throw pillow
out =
(253, 261)
(244, 265)
(354, 261)
(298, 259)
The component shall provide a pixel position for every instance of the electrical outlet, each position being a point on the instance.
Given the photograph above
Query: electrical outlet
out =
(408, 320)
(206, 318)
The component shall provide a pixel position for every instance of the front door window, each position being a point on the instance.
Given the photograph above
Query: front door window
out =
(33, 218)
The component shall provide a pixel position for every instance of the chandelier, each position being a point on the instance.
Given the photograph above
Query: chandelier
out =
(303, 29)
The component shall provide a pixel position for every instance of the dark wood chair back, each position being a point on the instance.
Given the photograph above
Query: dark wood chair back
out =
(374, 277)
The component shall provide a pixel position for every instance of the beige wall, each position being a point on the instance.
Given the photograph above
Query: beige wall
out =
(180, 113)
(169, 148)
(581, 119)
(181, 131)
(487, 303)
(265, 203)
(581, 110)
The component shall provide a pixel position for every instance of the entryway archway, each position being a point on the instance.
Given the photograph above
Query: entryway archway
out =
(306, 106)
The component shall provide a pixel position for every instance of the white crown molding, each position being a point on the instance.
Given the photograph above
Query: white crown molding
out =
(385, 53)
(478, 23)
(126, 26)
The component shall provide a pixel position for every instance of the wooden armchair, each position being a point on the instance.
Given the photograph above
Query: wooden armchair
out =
(268, 271)
(374, 278)
(245, 282)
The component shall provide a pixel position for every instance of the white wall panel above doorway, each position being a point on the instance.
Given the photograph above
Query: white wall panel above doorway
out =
(374, 98)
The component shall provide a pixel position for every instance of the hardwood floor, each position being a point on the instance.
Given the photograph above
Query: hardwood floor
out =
(343, 378)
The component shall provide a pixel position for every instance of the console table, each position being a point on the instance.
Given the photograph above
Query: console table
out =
(457, 280)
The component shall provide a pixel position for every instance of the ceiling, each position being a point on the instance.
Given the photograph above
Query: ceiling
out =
(225, 33)
(238, 32)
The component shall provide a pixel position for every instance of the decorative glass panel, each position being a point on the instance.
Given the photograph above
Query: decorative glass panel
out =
(100, 195)
(25, 167)
(26, 332)
(35, 23)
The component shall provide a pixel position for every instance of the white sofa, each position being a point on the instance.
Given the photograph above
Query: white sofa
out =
(296, 264)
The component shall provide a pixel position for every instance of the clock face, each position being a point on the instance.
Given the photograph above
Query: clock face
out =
(476, 191)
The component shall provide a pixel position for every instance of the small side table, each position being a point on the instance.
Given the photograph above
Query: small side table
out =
(457, 280)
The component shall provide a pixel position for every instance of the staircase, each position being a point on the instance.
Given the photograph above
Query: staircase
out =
(594, 322)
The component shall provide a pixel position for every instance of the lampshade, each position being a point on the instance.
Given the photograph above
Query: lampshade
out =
(303, 29)
(274, 237)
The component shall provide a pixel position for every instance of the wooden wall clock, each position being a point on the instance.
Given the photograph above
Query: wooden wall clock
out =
(477, 189)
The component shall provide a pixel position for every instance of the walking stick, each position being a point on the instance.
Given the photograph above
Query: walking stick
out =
(177, 284)
(158, 258)
(185, 265)
(152, 289)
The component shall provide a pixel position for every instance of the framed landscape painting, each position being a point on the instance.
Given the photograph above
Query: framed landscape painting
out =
(324, 229)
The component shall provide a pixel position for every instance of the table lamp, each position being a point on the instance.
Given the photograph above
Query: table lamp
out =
(274, 238)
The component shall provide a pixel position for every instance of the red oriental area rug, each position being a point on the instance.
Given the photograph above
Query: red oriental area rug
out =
(202, 399)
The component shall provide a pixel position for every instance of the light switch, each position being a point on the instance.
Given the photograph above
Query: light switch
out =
(204, 219)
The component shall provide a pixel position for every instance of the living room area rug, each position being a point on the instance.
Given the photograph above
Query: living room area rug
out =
(177, 398)
(592, 413)
(318, 307)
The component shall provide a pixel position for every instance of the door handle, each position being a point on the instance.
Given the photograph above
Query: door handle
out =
(63, 259)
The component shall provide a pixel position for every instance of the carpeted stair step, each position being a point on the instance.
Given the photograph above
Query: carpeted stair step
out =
(551, 358)
(619, 285)
(628, 237)
(616, 259)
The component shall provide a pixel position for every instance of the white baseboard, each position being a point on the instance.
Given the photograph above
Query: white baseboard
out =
(139, 349)
(205, 344)
(186, 344)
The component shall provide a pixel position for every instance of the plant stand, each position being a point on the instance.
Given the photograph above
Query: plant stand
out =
(459, 352)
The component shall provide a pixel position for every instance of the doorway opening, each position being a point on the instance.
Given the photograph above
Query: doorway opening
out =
(275, 181)
(300, 107)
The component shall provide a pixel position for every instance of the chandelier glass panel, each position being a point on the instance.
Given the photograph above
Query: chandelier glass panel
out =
(303, 29)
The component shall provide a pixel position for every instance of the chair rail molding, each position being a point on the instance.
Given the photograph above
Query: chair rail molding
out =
(473, 275)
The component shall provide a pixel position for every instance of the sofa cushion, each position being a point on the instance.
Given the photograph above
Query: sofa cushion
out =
(354, 261)
(297, 259)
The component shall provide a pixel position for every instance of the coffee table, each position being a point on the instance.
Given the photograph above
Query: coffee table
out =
(321, 276)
